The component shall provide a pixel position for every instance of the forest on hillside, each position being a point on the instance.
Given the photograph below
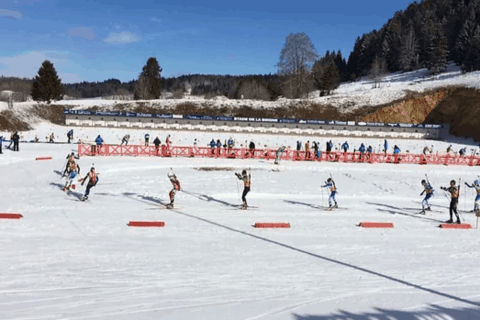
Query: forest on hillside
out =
(427, 34)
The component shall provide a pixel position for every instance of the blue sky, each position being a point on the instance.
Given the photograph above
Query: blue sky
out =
(95, 40)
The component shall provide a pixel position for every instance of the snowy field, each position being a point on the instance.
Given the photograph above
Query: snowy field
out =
(68, 259)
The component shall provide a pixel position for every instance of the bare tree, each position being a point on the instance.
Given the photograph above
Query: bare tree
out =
(141, 89)
(377, 71)
(296, 59)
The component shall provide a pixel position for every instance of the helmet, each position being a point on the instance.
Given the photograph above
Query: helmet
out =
(244, 172)
(329, 180)
(452, 183)
(92, 168)
(476, 182)
(424, 182)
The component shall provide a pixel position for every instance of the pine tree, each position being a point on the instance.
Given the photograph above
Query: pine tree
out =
(149, 85)
(409, 52)
(330, 79)
(437, 54)
(47, 86)
(467, 46)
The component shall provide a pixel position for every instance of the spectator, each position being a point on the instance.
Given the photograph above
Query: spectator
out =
(369, 149)
(219, 146)
(462, 151)
(252, 148)
(147, 138)
(396, 150)
(362, 151)
(99, 142)
(385, 145)
(195, 143)
(52, 137)
(70, 135)
(36, 139)
(230, 145)
(315, 148)
(168, 141)
(125, 139)
(16, 139)
(212, 146)
(157, 143)
(362, 148)
(345, 146)
(1, 141)
(449, 149)
(299, 147)
(329, 146)
(307, 149)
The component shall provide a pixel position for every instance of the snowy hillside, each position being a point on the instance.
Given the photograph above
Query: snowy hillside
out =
(348, 97)
(67, 259)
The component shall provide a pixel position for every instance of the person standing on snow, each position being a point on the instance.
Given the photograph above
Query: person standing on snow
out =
(157, 143)
(70, 135)
(279, 154)
(476, 185)
(176, 187)
(333, 191)
(454, 192)
(92, 177)
(345, 146)
(147, 138)
(246, 186)
(429, 193)
(385, 146)
(1, 141)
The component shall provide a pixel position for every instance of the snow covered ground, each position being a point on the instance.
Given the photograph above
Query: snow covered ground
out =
(348, 97)
(68, 259)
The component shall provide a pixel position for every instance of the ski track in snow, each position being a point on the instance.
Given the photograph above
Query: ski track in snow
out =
(75, 260)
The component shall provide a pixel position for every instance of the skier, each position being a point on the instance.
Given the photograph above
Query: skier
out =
(333, 191)
(246, 186)
(125, 139)
(454, 192)
(147, 138)
(427, 150)
(70, 135)
(176, 187)
(92, 182)
(429, 193)
(70, 183)
(279, 154)
(70, 159)
(476, 185)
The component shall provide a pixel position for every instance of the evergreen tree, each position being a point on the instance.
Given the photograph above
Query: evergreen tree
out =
(437, 54)
(467, 46)
(47, 86)
(325, 75)
(409, 52)
(149, 85)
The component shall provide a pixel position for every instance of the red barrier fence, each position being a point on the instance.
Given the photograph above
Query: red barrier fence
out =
(268, 154)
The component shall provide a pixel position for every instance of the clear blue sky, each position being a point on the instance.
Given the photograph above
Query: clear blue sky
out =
(95, 40)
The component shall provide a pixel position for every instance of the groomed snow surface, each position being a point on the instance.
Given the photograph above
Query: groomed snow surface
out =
(68, 259)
